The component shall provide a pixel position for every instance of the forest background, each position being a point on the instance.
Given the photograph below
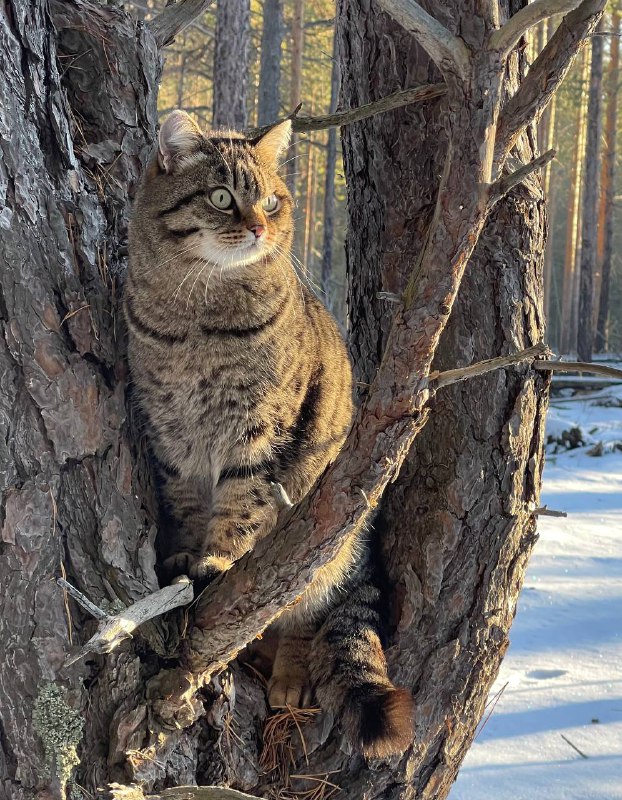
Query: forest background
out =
(300, 69)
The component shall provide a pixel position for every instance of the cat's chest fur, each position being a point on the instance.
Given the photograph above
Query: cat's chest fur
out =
(220, 400)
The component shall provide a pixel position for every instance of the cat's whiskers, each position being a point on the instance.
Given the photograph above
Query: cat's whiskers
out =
(179, 253)
(193, 265)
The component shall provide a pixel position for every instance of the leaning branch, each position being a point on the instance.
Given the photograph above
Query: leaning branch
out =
(448, 51)
(405, 97)
(507, 37)
(132, 791)
(545, 75)
(174, 18)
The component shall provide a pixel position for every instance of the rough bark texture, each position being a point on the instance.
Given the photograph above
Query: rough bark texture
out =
(608, 188)
(231, 62)
(78, 114)
(456, 528)
(591, 188)
(270, 67)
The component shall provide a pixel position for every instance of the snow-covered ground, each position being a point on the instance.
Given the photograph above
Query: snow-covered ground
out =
(563, 672)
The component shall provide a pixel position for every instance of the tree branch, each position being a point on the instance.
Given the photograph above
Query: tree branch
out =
(578, 366)
(405, 97)
(505, 184)
(507, 37)
(545, 75)
(439, 380)
(112, 630)
(448, 51)
(174, 18)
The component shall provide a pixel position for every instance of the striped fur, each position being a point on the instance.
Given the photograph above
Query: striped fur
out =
(240, 371)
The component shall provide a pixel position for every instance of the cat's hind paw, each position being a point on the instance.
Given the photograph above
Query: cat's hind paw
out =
(289, 690)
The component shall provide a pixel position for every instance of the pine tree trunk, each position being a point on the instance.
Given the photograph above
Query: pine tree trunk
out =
(73, 147)
(546, 131)
(591, 188)
(329, 184)
(270, 65)
(568, 335)
(608, 188)
(231, 64)
(295, 87)
(450, 539)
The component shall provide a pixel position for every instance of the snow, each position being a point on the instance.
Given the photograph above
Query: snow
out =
(563, 672)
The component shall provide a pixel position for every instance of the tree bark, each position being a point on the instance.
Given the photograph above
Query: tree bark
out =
(591, 189)
(608, 188)
(231, 64)
(449, 538)
(270, 66)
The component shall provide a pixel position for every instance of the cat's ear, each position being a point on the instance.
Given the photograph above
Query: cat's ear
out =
(271, 146)
(180, 136)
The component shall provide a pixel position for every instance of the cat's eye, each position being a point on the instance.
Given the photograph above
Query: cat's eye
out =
(271, 204)
(222, 199)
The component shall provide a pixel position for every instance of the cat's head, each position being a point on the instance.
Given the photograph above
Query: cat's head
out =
(218, 195)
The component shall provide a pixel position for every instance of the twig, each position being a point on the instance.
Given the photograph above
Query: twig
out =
(112, 630)
(574, 747)
(405, 97)
(505, 184)
(494, 702)
(578, 366)
(545, 511)
(441, 379)
(81, 599)
(174, 18)
(448, 51)
(508, 36)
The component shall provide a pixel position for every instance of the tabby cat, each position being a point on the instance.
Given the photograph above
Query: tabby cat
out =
(244, 380)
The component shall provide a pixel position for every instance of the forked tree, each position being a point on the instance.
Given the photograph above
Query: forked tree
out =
(437, 192)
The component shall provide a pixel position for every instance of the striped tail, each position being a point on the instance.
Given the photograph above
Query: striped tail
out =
(349, 673)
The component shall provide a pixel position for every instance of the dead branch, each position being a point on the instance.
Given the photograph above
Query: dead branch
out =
(578, 366)
(174, 18)
(113, 629)
(507, 37)
(545, 511)
(545, 75)
(505, 184)
(448, 51)
(405, 97)
(440, 379)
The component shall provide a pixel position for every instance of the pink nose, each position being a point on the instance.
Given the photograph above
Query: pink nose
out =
(258, 230)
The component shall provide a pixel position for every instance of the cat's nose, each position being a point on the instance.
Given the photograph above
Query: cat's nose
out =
(258, 230)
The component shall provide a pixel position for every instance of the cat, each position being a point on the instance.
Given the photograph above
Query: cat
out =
(245, 382)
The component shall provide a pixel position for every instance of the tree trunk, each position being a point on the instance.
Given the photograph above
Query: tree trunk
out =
(295, 87)
(608, 188)
(231, 64)
(546, 137)
(591, 188)
(270, 66)
(455, 548)
(329, 184)
(568, 336)
(72, 152)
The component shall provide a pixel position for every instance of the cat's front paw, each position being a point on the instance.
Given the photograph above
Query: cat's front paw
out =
(181, 563)
(290, 690)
